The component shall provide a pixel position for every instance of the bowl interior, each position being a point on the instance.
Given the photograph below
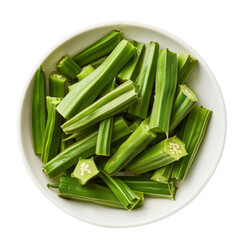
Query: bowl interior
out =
(209, 94)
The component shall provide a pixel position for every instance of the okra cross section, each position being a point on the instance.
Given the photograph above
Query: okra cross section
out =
(57, 85)
(192, 132)
(162, 154)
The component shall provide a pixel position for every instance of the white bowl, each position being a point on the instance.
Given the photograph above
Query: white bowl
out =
(202, 81)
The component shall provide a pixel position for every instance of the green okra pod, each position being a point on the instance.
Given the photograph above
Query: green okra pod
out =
(38, 110)
(131, 69)
(112, 103)
(51, 139)
(150, 188)
(98, 49)
(186, 64)
(165, 87)
(145, 81)
(105, 129)
(124, 194)
(85, 72)
(163, 174)
(192, 132)
(64, 142)
(162, 154)
(68, 67)
(96, 63)
(89, 88)
(135, 144)
(83, 148)
(57, 85)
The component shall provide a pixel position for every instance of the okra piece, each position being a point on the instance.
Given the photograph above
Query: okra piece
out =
(112, 103)
(165, 87)
(51, 139)
(162, 154)
(57, 85)
(150, 188)
(91, 192)
(105, 129)
(186, 64)
(70, 87)
(98, 49)
(87, 90)
(85, 170)
(83, 148)
(192, 132)
(85, 72)
(145, 81)
(124, 194)
(135, 144)
(38, 110)
(65, 143)
(68, 67)
(98, 62)
(163, 174)
(135, 124)
(184, 102)
(131, 69)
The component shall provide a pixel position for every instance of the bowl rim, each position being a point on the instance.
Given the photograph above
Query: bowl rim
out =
(106, 24)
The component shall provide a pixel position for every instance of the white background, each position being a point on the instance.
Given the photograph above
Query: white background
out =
(30, 28)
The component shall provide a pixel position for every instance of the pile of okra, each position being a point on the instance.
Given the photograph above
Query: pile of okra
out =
(119, 122)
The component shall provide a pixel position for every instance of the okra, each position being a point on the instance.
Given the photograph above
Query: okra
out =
(105, 129)
(165, 87)
(124, 194)
(135, 144)
(135, 124)
(186, 64)
(163, 174)
(38, 110)
(98, 49)
(57, 85)
(96, 63)
(192, 132)
(162, 154)
(85, 170)
(85, 72)
(91, 192)
(184, 102)
(89, 88)
(65, 143)
(112, 103)
(68, 67)
(83, 148)
(51, 139)
(131, 69)
(145, 81)
(150, 188)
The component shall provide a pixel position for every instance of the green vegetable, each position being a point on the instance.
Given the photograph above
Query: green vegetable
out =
(89, 88)
(99, 48)
(91, 192)
(135, 144)
(192, 133)
(124, 194)
(85, 72)
(135, 124)
(166, 82)
(162, 154)
(105, 129)
(85, 170)
(150, 188)
(131, 69)
(184, 102)
(68, 67)
(112, 103)
(186, 64)
(145, 81)
(95, 64)
(83, 148)
(57, 85)
(38, 110)
(51, 139)
(163, 174)
(65, 143)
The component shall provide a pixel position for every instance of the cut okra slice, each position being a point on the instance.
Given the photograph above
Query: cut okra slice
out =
(85, 72)
(57, 85)
(85, 170)
(162, 154)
